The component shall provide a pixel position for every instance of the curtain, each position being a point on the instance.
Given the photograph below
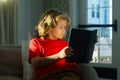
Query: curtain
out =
(8, 22)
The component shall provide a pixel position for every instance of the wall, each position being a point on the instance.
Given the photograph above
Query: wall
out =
(116, 37)
(29, 12)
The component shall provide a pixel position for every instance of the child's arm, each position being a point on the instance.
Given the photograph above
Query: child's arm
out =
(40, 62)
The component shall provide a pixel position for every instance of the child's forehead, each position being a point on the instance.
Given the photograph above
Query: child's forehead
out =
(62, 21)
(58, 18)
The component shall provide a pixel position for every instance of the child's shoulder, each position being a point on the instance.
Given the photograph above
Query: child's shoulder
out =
(36, 40)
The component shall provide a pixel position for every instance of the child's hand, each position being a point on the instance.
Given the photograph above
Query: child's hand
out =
(65, 52)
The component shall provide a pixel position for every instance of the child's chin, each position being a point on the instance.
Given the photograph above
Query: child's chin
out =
(61, 38)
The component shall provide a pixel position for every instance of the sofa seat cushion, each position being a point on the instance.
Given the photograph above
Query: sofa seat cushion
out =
(10, 78)
(10, 61)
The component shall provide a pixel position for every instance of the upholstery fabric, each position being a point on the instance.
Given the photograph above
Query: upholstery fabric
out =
(10, 78)
(10, 61)
(27, 70)
(82, 72)
(62, 75)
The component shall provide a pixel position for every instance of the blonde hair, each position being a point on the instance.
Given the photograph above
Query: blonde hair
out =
(48, 21)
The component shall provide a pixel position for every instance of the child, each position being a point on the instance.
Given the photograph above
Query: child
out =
(47, 50)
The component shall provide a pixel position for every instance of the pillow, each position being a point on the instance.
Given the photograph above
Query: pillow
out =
(27, 70)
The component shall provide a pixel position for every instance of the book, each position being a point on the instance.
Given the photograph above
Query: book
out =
(82, 42)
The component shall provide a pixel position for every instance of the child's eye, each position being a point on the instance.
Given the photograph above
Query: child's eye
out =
(61, 27)
(65, 27)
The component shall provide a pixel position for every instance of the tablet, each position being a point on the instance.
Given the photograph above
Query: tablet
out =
(82, 42)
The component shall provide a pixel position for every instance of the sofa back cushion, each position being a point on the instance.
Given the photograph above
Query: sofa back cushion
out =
(27, 68)
(10, 61)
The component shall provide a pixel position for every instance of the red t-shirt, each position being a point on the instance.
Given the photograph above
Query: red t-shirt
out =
(43, 48)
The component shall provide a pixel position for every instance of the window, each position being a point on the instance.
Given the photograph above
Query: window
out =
(98, 12)
(102, 15)
(93, 13)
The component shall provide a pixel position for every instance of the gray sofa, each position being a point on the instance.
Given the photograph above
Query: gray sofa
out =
(14, 66)
(11, 67)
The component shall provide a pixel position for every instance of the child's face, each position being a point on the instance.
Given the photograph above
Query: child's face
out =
(59, 31)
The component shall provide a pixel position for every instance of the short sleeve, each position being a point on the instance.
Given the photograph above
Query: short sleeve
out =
(35, 49)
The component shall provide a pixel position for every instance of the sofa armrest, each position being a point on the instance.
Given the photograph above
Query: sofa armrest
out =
(10, 61)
